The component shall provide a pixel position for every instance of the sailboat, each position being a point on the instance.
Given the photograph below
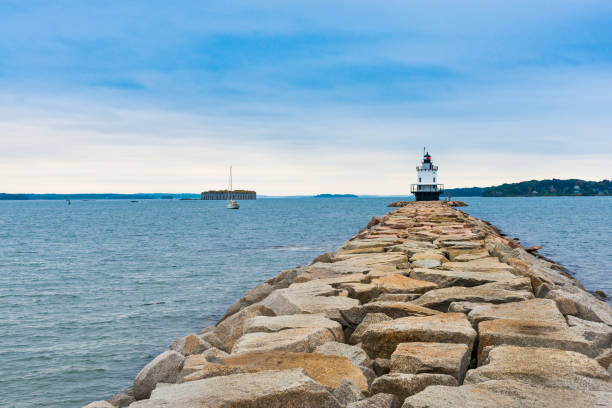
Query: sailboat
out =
(232, 205)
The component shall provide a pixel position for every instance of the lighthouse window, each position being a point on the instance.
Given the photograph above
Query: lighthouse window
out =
(419, 179)
(434, 179)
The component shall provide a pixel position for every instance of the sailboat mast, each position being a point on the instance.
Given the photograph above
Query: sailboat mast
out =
(231, 184)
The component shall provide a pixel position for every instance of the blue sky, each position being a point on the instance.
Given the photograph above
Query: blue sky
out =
(301, 97)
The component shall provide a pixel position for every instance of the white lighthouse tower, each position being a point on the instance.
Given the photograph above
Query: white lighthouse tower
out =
(427, 187)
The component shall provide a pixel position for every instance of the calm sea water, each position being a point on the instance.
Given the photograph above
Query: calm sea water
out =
(89, 293)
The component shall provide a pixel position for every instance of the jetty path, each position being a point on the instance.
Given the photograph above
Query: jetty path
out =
(426, 307)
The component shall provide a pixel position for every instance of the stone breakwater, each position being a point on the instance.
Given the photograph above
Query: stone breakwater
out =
(426, 307)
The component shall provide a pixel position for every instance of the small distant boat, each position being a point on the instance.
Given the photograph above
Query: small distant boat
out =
(232, 205)
(68, 202)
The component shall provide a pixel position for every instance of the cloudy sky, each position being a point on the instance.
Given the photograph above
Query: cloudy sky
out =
(301, 97)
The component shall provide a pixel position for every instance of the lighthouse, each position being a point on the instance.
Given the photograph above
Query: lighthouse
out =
(427, 187)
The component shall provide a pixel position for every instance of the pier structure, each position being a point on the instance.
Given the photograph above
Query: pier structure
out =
(224, 195)
(425, 307)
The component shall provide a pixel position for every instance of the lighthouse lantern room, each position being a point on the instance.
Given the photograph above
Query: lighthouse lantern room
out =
(427, 187)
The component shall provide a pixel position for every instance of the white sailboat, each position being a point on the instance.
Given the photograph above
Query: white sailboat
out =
(232, 205)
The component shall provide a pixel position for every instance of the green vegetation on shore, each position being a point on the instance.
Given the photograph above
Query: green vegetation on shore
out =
(554, 187)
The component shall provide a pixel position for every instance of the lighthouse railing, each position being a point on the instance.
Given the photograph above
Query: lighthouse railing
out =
(426, 187)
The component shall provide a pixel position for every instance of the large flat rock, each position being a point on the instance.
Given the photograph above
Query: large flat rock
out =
(369, 243)
(440, 299)
(405, 385)
(531, 333)
(489, 264)
(356, 355)
(464, 255)
(543, 310)
(412, 247)
(305, 339)
(445, 278)
(367, 321)
(328, 370)
(232, 328)
(271, 324)
(433, 358)
(381, 339)
(542, 367)
(290, 302)
(266, 389)
(396, 310)
(376, 260)
(398, 283)
(506, 394)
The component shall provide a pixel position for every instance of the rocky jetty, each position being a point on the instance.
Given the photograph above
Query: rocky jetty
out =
(425, 307)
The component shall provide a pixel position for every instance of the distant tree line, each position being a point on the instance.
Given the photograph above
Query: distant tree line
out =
(554, 187)
(226, 191)
(95, 196)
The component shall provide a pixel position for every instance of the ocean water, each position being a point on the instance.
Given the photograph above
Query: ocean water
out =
(91, 292)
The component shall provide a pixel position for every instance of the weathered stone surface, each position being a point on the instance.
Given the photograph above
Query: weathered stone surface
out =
(380, 400)
(426, 263)
(566, 306)
(231, 329)
(518, 283)
(599, 334)
(99, 404)
(347, 393)
(434, 358)
(412, 247)
(464, 255)
(163, 368)
(463, 307)
(460, 244)
(588, 307)
(299, 340)
(368, 243)
(195, 362)
(276, 323)
(267, 389)
(440, 299)
(369, 250)
(368, 320)
(396, 310)
(445, 278)
(405, 385)
(382, 366)
(190, 344)
(530, 333)
(507, 394)
(387, 261)
(121, 400)
(542, 367)
(381, 339)
(490, 264)
(397, 283)
(328, 370)
(254, 295)
(543, 310)
(356, 355)
(211, 338)
(364, 292)
(397, 297)
(290, 302)
(431, 254)
(605, 359)
(323, 270)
